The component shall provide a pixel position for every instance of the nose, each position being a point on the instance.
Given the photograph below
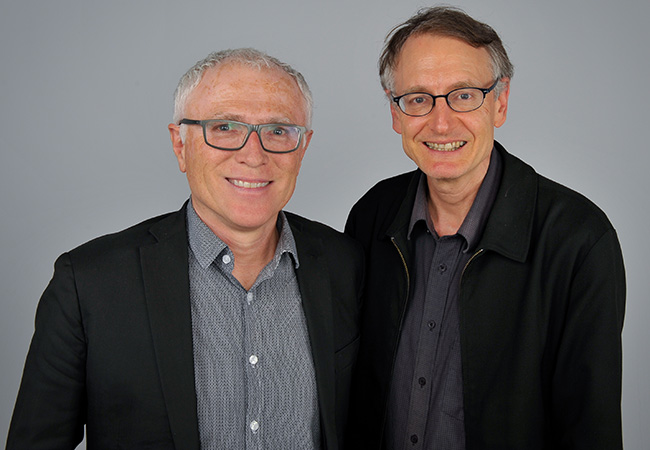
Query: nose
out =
(440, 118)
(252, 153)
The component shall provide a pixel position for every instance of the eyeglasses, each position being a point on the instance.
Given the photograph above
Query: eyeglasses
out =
(231, 135)
(460, 100)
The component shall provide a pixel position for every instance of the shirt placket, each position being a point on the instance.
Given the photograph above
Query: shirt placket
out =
(439, 275)
(253, 360)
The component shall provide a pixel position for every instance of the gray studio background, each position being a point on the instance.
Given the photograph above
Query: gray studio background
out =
(86, 96)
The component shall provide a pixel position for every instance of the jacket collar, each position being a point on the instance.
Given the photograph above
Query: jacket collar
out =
(509, 226)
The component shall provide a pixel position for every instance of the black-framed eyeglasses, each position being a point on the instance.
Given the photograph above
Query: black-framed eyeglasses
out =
(230, 135)
(460, 100)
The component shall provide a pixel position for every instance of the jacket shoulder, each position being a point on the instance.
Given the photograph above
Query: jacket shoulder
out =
(569, 210)
(387, 191)
(531, 206)
(378, 207)
(325, 233)
(132, 237)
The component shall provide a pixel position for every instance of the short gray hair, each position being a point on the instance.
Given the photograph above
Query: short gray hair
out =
(444, 21)
(247, 56)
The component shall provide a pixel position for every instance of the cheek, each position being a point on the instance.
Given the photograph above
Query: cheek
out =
(479, 125)
(291, 173)
(204, 168)
(410, 131)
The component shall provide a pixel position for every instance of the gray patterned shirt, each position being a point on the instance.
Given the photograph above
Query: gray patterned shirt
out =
(254, 374)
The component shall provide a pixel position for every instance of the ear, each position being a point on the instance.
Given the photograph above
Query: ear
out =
(395, 114)
(177, 145)
(306, 139)
(501, 103)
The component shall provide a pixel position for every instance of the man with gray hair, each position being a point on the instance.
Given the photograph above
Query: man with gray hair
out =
(494, 296)
(229, 324)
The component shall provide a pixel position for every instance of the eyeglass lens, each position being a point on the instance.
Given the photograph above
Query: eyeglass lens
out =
(231, 135)
(460, 100)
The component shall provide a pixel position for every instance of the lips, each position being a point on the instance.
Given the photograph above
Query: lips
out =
(248, 184)
(447, 147)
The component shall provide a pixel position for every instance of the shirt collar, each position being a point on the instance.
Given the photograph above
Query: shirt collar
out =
(474, 223)
(207, 246)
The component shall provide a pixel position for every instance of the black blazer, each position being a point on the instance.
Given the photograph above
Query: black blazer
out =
(112, 347)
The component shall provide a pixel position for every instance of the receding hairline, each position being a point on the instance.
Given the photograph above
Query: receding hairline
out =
(236, 64)
(247, 57)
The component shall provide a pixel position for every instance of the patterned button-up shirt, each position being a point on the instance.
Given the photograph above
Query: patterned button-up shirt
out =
(254, 374)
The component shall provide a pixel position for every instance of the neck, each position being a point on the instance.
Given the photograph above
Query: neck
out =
(252, 254)
(252, 248)
(449, 202)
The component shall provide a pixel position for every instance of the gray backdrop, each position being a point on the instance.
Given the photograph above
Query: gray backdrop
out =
(86, 95)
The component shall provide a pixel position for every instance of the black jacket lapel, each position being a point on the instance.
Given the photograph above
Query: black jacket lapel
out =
(314, 282)
(166, 282)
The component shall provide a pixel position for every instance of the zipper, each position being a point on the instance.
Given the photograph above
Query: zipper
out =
(399, 333)
(474, 256)
(408, 276)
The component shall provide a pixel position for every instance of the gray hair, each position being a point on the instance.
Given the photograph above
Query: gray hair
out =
(444, 21)
(247, 56)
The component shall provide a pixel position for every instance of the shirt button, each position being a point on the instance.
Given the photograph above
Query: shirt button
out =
(254, 426)
(414, 438)
(431, 324)
(422, 381)
(442, 268)
(249, 297)
(226, 259)
(253, 359)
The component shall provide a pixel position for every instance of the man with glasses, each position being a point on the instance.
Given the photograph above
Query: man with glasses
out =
(229, 324)
(494, 297)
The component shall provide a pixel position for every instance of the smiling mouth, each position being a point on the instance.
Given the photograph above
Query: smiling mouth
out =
(248, 184)
(448, 147)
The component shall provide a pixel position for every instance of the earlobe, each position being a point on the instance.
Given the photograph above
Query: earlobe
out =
(177, 145)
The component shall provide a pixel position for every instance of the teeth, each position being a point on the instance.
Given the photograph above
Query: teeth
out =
(247, 185)
(448, 147)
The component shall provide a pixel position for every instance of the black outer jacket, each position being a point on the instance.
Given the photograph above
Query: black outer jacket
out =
(112, 349)
(542, 303)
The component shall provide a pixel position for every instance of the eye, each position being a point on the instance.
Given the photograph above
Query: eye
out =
(275, 131)
(463, 95)
(220, 127)
(416, 99)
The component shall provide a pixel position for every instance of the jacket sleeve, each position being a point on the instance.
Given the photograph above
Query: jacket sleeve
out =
(50, 408)
(586, 384)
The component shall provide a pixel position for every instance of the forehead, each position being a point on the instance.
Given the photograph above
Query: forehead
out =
(427, 58)
(239, 91)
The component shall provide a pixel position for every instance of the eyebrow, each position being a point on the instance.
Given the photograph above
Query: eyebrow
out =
(239, 118)
(458, 85)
